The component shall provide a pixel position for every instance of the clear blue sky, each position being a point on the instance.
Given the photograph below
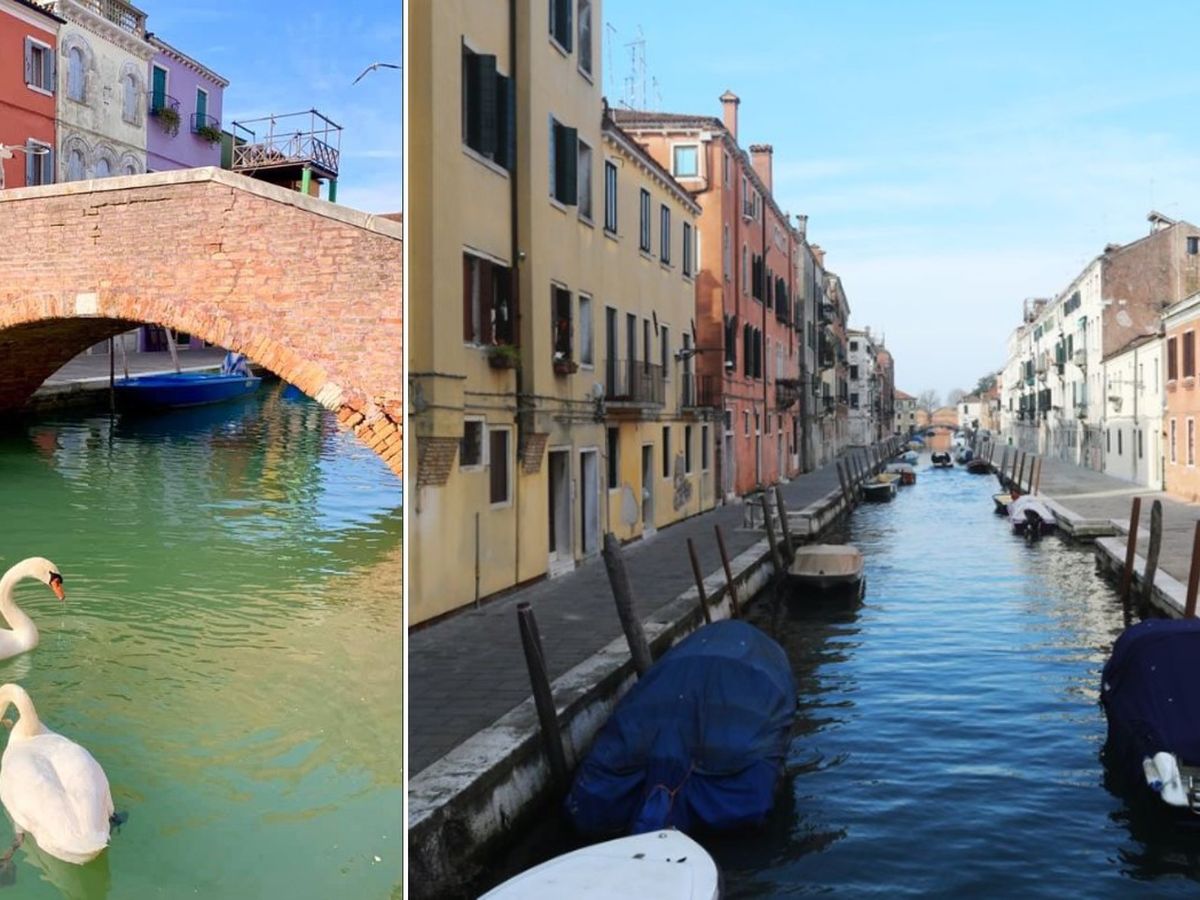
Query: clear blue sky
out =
(953, 158)
(282, 56)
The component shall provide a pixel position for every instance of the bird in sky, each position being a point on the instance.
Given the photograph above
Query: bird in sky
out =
(372, 67)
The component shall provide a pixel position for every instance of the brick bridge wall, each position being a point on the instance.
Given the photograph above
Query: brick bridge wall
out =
(305, 288)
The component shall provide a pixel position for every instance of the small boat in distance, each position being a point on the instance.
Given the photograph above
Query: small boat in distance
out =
(1002, 500)
(911, 457)
(661, 864)
(1030, 516)
(978, 466)
(941, 460)
(908, 475)
(824, 567)
(881, 488)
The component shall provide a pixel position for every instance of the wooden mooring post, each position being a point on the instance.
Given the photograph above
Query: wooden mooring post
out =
(1020, 472)
(1135, 515)
(699, 582)
(543, 698)
(1189, 608)
(1037, 485)
(1152, 553)
(730, 586)
(843, 481)
(618, 579)
(790, 555)
(776, 561)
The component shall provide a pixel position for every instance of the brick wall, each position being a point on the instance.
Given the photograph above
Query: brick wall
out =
(310, 290)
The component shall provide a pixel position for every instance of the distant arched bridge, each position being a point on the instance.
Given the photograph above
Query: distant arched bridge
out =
(305, 288)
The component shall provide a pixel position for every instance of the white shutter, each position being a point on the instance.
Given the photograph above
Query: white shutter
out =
(28, 61)
(48, 167)
(30, 169)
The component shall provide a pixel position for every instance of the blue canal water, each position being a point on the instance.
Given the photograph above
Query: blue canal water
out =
(949, 735)
(230, 650)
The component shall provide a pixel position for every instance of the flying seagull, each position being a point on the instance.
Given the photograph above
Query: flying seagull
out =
(372, 67)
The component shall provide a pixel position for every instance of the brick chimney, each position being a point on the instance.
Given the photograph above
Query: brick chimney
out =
(729, 105)
(760, 158)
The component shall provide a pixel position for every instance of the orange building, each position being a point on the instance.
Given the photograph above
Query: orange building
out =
(749, 317)
(1180, 475)
(28, 50)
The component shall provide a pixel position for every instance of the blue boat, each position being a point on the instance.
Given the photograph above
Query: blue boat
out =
(183, 389)
(698, 743)
(1150, 691)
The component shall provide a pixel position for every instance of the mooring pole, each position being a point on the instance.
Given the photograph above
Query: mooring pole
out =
(1021, 471)
(543, 699)
(112, 376)
(1152, 553)
(842, 481)
(618, 579)
(776, 561)
(1135, 515)
(783, 522)
(699, 582)
(1189, 609)
(1037, 486)
(729, 583)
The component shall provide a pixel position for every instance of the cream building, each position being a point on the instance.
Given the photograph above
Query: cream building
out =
(103, 57)
(1133, 422)
(551, 297)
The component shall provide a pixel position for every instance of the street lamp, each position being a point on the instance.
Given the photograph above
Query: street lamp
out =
(6, 152)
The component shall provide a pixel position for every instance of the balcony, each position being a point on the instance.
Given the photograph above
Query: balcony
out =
(825, 313)
(127, 18)
(284, 145)
(633, 384)
(165, 108)
(787, 392)
(698, 391)
(206, 127)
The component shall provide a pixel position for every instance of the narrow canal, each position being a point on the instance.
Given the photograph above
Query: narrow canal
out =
(949, 733)
(230, 648)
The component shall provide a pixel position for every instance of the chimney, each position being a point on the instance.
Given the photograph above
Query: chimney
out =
(729, 103)
(1158, 221)
(802, 227)
(760, 158)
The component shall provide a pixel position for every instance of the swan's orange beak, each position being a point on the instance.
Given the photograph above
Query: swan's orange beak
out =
(57, 587)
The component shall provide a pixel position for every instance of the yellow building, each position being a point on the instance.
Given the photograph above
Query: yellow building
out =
(551, 297)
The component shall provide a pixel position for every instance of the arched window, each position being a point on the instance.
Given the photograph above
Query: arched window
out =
(129, 104)
(75, 165)
(130, 169)
(103, 169)
(76, 75)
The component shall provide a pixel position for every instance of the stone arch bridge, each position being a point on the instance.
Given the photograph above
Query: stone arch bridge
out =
(305, 288)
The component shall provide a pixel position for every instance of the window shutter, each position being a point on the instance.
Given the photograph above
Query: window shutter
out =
(482, 124)
(487, 301)
(468, 323)
(48, 63)
(28, 61)
(31, 162)
(562, 22)
(566, 165)
(506, 122)
(47, 168)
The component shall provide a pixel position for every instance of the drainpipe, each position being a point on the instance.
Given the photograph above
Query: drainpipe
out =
(766, 364)
(514, 236)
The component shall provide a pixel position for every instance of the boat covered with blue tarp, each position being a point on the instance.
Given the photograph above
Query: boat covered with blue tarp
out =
(1150, 691)
(697, 743)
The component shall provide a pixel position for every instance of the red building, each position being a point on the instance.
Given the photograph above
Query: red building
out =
(748, 324)
(28, 50)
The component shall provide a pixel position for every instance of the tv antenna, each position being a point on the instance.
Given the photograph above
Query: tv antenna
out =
(635, 82)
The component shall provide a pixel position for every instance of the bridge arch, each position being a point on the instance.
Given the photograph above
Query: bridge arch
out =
(304, 288)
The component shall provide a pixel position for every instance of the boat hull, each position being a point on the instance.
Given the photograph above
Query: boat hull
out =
(184, 389)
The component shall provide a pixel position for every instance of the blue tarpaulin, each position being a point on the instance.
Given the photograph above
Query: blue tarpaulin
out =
(698, 742)
(1150, 690)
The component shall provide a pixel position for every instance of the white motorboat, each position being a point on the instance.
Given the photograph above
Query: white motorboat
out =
(824, 567)
(1027, 510)
(666, 865)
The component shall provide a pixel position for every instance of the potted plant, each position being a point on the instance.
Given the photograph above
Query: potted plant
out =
(210, 133)
(503, 356)
(564, 365)
(168, 118)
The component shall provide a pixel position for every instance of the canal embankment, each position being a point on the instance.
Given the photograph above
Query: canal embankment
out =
(480, 768)
(85, 380)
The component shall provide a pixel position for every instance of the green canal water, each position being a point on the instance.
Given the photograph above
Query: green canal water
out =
(230, 649)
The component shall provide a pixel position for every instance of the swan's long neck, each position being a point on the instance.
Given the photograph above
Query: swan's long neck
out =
(21, 624)
(29, 724)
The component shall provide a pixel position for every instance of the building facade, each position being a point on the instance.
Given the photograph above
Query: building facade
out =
(834, 366)
(566, 400)
(28, 89)
(905, 419)
(184, 100)
(1133, 412)
(1181, 407)
(863, 388)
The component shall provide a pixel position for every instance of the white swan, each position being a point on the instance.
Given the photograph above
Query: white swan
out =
(53, 788)
(23, 635)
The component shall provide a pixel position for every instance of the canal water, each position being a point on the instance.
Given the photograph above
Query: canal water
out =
(949, 734)
(230, 649)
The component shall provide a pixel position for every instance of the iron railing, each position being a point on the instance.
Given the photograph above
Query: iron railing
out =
(205, 122)
(126, 17)
(634, 382)
(699, 390)
(787, 392)
(288, 140)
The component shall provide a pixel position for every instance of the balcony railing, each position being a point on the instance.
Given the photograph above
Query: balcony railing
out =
(699, 390)
(304, 138)
(787, 392)
(208, 127)
(126, 17)
(825, 313)
(165, 108)
(633, 382)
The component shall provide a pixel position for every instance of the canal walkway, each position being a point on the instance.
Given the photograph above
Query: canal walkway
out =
(467, 671)
(88, 373)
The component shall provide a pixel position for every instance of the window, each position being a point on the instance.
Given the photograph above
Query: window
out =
(585, 36)
(687, 449)
(1189, 354)
(664, 347)
(158, 88)
(563, 332)
(76, 76)
(1140, 447)
(746, 422)
(1172, 359)
(758, 354)
(103, 169)
(854, 376)
(487, 301)
(1191, 442)
(614, 459)
(586, 356)
(854, 346)
(1120, 450)
(129, 109)
(610, 196)
(498, 488)
(747, 350)
(666, 452)
(644, 221)
(1193, 245)
(685, 161)
(687, 249)
(201, 109)
(488, 109)
(745, 269)
(560, 22)
(39, 65)
(75, 166)
(39, 167)
(703, 448)
(726, 260)
(725, 169)
(854, 401)
(664, 234)
(585, 180)
(470, 448)
(1173, 442)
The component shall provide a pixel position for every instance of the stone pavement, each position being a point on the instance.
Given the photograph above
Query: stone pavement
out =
(467, 671)
(1097, 496)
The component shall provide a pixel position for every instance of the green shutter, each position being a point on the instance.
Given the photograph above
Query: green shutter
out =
(201, 107)
(506, 122)
(158, 90)
(566, 163)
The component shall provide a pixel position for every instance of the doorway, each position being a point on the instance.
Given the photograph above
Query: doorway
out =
(561, 558)
(589, 502)
(647, 489)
